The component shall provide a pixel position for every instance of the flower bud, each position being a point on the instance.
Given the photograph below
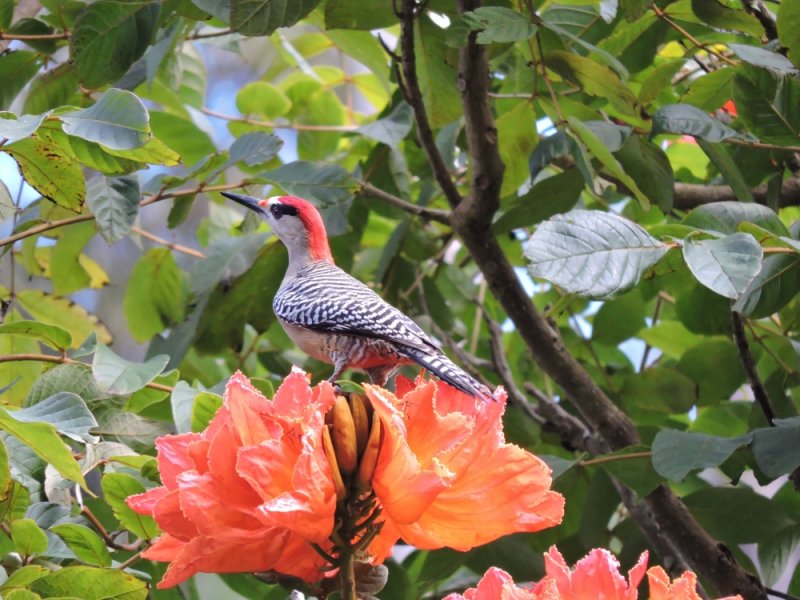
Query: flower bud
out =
(330, 454)
(343, 436)
(369, 458)
(358, 406)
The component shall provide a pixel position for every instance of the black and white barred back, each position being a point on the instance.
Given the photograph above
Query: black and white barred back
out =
(324, 298)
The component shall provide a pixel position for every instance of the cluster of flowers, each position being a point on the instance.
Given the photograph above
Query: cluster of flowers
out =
(267, 485)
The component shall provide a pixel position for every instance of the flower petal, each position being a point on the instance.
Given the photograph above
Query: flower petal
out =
(404, 486)
(246, 405)
(496, 584)
(170, 518)
(146, 502)
(174, 457)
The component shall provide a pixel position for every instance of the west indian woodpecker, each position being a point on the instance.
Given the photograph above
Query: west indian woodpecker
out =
(335, 318)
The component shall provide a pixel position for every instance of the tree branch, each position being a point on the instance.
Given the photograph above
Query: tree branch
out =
(157, 197)
(749, 366)
(441, 216)
(65, 360)
(413, 95)
(687, 196)
(614, 430)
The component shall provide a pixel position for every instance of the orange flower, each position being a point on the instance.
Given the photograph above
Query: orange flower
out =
(251, 491)
(259, 485)
(596, 577)
(445, 475)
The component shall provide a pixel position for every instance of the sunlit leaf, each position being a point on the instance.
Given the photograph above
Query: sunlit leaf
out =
(726, 265)
(52, 335)
(591, 253)
(262, 17)
(118, 120)
(116, 375)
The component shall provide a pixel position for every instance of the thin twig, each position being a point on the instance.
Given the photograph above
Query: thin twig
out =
(211, 34)
(107, 537)
(171, 245)
(413, 95)
(666, 18)
(749, 365)
(157, 197)
(276, 125)
(39, 36)
(65, 360)
(606, 459)
(434, 214)
(124, 565)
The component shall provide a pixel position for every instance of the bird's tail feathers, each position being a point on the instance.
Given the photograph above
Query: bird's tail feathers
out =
(449, 372)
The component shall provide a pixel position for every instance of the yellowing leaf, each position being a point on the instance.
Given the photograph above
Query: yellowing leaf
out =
(64, 313)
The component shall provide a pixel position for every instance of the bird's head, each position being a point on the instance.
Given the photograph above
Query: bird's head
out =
(295, 221)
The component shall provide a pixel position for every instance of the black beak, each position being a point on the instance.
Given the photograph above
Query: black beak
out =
(248, 201)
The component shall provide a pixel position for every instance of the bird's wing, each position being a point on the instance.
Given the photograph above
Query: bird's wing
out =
(325, 298)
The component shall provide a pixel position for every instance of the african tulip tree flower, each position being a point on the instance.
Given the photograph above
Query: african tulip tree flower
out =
(298, 484)
(595, 577)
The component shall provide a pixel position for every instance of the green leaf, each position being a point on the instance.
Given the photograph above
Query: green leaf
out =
(602, 153)
(229, 256)
(108, 37)
(116, 375)
(726, 217)
(768, 106)
(436, 72)
(350, 14)
(635, 472)
(710, 91)
(90, 583)
(721, 158)
(51, 89)
(255, 148)
(44, 441)
(85, 543)
(775, 554)
(262, 17)
(6, 13)
(548, 196)
(775, 448)
(595, 79)
(114, 201)
(592, 253)
(788, 32)
(35, 28)
(619, 319)
(73, 378)
(498, 24)
(773, 288)
(52, 335)
(50, 171)
(737, 515)
(156, 295)
(391, 129)
(15, 128)
(66, 411)
(16, 69)
(66, 270)
(760, 57)
(327, 184)
(89, 154)
(116, 489)
(228, 310)
(677, 453)
(118, 120)
(204, 408)
(516, 134)
(718, 15)
(28, 538)
(687, 119)
(725, 266)
(719, 357)
(262, 99)
(649, 167)
(63, 313)
(182, 136)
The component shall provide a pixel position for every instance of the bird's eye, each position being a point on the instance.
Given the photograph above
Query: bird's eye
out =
(275, 209)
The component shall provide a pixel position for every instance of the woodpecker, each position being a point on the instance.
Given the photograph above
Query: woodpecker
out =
(335, 318)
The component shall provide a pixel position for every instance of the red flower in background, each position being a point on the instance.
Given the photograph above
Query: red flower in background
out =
(595, 577)
(250, 492)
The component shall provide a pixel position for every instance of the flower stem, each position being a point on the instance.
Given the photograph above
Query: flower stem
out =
(347, 576)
